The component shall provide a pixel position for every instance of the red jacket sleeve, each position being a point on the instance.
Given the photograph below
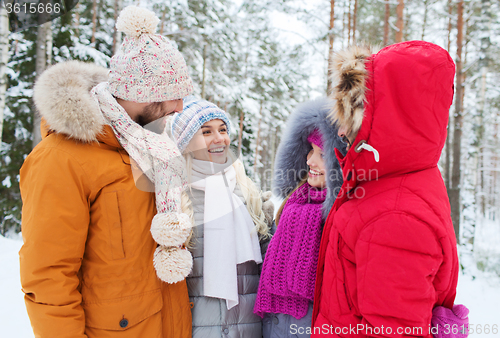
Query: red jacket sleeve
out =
(55, 221)
(397, 259)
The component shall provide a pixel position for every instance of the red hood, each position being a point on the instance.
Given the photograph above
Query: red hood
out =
(409, 90)
(400, 98)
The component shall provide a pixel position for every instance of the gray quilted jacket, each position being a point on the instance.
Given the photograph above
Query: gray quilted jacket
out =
(211, 318)
(280, 325)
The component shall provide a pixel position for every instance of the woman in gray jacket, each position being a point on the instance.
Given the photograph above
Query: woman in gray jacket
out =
(229, 221)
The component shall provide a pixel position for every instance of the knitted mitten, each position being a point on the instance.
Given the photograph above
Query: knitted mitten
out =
(450, 323)
(268, 208)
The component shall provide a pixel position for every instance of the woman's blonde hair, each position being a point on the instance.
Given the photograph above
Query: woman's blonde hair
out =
(251, 195)
(187, 208)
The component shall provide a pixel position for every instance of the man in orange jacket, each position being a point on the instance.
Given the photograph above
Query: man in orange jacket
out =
(87, 259)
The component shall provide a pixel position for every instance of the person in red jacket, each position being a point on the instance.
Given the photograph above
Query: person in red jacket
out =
(388, 253)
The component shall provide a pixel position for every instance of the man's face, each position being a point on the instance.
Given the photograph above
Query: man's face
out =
(156, 110)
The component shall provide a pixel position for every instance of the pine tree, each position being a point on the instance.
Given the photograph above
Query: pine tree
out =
(18, 127)
(4, 59)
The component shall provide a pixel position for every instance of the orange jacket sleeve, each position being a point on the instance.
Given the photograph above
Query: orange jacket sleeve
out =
(55, 219)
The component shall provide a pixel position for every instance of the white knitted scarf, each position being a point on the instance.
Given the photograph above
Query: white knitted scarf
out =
(230, 236)
(161, 161)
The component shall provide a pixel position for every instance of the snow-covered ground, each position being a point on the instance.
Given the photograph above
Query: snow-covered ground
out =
(14, 321)
(481, 295)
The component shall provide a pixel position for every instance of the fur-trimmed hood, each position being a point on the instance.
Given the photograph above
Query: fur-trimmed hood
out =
(290, 166)
(397, 101)
(349, 74)
(62, 97)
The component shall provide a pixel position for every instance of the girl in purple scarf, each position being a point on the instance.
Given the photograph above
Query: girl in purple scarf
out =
(308, 177)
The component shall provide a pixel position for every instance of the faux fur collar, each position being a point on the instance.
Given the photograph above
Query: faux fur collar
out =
(62, 97)
(349, 74)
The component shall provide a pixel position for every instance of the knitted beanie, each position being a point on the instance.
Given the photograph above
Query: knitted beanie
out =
(147, 68)
(316, 138)
(196, 112)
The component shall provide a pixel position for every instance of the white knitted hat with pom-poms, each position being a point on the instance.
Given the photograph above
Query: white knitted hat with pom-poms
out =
(148, 67)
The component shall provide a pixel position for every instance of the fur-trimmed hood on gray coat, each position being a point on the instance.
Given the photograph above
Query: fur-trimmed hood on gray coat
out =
(62, 97)
(290, 166)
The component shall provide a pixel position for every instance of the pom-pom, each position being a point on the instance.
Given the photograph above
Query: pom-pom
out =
(172, 264)
(171, 229)
(135, 21)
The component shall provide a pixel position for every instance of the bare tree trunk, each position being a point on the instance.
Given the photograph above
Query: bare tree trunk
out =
(240, 135)
(354, 19)
(115, 32)
(424, 24)
(257, 141)
(494, 193)
(349, 23)
(457, 132)
(264, 160)
(484, 25)
(163, 14)
(204, 71)
(447, 156)
(94, 20)
(344, 20)
(118, 35)
(41, 64)
(4, 59)
(77, 19)
(274, 142)
(330, 49)
(448, 151)
(480, 141)
(450, 26)
(49, 44)
(400, 21)
(386, 22)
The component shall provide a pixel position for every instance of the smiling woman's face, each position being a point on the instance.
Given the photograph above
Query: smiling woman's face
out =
(211, 142)
(317, 170)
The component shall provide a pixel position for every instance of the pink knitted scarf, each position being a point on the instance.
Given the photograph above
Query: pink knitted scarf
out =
(289, 269)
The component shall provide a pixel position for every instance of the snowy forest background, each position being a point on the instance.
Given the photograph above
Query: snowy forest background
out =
(258, 59)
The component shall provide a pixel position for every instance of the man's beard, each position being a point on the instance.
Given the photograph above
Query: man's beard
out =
(150, 113)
